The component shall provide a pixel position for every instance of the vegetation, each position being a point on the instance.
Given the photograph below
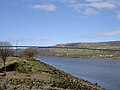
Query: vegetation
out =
(21, 73)
(29, 52)
(95, 45)
(80, 53)
(25, 74)
(5, 50)
(74, 51)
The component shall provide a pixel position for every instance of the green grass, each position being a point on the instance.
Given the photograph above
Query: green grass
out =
(24, 63)
(75, 51)
(37, 65)
(26, 67)
(9, 60)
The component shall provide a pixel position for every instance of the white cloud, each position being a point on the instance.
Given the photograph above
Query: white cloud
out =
(68, 1)
(103, 5)
(86, 37)
(93, 0)
(118, 15)
(30, 39)
(93, 7)
(45, 7)
(109, 33)
(96, 5)
(90, 11)
(87, 7)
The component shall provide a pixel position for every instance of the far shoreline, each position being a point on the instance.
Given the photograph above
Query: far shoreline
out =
(94, 58)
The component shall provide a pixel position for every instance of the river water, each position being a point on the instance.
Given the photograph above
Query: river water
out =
(104, 72)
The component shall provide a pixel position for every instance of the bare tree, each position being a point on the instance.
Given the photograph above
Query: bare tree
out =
(30, 52)
(5, 50)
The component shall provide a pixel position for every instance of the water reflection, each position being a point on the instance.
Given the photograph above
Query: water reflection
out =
(104, 72)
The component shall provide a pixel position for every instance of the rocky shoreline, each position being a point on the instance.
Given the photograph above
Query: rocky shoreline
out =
(26, 75)
(74, 80)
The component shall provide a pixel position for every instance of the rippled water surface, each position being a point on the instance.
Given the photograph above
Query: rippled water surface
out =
(105, 72)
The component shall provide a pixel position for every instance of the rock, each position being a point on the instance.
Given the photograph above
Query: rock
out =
(2, 74)
(1, 88)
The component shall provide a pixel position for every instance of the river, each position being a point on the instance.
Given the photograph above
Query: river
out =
(104, 72)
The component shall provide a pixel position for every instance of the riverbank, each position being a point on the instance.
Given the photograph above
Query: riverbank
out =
(86, 57)
(80, 53)
(104, 72)
(30, 74)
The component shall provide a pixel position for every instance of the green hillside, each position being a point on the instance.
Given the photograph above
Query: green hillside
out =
(95, 45)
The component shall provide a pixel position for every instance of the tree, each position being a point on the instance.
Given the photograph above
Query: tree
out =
(5, 50)
(30, 52)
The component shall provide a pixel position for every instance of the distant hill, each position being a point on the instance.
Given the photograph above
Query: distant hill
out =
(95, 45)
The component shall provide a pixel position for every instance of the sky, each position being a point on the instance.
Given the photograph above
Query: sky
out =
(50, 22)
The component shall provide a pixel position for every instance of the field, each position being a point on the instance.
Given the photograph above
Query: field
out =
(80, 53)
(75, 51)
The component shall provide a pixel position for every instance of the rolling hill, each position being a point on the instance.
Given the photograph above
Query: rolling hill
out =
(94, 45)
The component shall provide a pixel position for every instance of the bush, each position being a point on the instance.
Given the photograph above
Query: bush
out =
(29, 52)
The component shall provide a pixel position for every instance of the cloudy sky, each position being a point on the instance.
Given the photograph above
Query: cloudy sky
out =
(48, 22)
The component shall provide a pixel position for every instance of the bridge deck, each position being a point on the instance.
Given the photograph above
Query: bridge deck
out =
(62, 47)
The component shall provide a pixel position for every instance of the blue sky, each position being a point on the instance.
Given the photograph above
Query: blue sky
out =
(49, 22)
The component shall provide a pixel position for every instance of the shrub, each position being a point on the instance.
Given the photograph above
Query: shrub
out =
(29, 52)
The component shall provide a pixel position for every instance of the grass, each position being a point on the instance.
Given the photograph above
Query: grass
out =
(81, 53)
(37, 66)
(75, 51)
(9, 61)
(35, 74)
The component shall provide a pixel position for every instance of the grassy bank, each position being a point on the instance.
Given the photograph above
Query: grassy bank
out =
(30, 74)
(81, 53)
